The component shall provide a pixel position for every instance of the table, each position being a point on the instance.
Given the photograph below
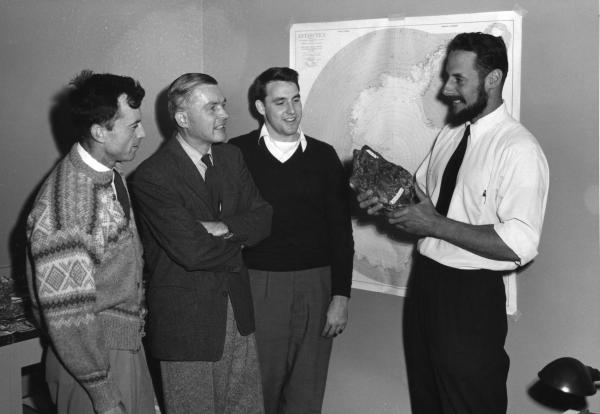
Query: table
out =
(17, 350)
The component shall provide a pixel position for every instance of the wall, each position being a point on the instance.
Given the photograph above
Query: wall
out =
(44, 43)
(558, 293)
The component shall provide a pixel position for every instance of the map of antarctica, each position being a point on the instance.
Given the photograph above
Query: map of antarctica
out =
(377, 82)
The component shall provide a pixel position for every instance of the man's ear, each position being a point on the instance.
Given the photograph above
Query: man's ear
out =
(494, 79)
(98, 132)
(181, 119)
(260, 107)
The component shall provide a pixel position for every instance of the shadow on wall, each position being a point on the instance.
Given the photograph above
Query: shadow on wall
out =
(63, 129)
(64, 136)
(164, 123)
(251, 95)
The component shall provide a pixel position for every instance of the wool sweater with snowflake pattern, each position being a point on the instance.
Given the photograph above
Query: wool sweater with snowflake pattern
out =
(87, 274)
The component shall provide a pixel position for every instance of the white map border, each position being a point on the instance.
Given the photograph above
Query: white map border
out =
(312, 45)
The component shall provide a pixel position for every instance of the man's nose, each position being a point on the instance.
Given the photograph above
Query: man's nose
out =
(448, 88)
(223, 114)
(290, 109)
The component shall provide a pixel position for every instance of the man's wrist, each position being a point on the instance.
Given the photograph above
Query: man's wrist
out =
(439, 226)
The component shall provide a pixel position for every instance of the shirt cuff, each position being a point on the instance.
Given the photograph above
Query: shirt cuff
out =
(520, 238)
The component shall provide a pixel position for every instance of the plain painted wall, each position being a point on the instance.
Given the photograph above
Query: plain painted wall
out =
(558, 294)
(44, 43)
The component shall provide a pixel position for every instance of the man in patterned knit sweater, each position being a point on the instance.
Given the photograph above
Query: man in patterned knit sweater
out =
(87, 258)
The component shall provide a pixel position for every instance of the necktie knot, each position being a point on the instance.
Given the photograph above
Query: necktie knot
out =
(206, 159)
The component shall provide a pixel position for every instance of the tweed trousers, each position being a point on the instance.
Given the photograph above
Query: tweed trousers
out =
(229, 386)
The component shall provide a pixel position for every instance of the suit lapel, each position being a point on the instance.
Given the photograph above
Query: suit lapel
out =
(189, 175)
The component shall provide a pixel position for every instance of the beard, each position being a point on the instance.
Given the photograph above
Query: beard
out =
(472, 111)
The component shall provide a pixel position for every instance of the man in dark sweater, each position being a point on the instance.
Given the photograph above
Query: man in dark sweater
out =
(301, 275)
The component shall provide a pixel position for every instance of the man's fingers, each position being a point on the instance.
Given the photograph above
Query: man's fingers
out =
(328, 331)
(333, 330)
(420, 193)
(375, 209)
(364, 195)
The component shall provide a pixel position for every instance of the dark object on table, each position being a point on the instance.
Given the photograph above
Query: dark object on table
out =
(15, 322)
(13, 301)
(570, 376)
(391, 183)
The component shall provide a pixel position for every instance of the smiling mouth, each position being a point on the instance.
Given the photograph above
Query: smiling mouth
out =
(455, 100)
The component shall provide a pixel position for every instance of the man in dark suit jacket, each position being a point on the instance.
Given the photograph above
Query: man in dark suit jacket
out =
(198, 207)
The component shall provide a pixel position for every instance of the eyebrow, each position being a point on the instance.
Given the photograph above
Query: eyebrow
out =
(283, 98)
(216, 102)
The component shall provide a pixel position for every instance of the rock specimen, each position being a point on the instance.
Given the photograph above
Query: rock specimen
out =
(391, 183)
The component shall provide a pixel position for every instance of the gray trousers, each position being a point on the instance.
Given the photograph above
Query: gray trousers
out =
(228, 386)
(291, 310)
(128, 371)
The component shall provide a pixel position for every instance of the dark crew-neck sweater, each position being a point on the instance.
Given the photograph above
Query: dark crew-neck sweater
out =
(311, 215)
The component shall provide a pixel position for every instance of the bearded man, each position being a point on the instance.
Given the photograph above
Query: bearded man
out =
(482, 196)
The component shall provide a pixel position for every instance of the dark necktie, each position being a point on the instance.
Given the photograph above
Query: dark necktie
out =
(450, 173)
(212, 183)
(122, 195)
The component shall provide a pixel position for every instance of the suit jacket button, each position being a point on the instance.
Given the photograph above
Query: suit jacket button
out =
(225, 293)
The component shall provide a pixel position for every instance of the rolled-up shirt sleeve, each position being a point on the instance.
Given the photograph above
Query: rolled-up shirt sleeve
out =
(521, 199)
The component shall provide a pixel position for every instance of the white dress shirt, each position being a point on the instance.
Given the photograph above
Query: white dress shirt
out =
(282, 150)
(91, 161)
(195, 155)
(503, 180)
(95, 164)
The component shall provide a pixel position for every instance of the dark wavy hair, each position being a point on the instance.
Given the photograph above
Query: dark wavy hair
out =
(94, 99)
(490, 51)
(259, 86)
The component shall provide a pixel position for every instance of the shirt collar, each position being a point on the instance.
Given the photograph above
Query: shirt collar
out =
(91, 162)
(485, 124)
(264, 132)
(192, 152)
